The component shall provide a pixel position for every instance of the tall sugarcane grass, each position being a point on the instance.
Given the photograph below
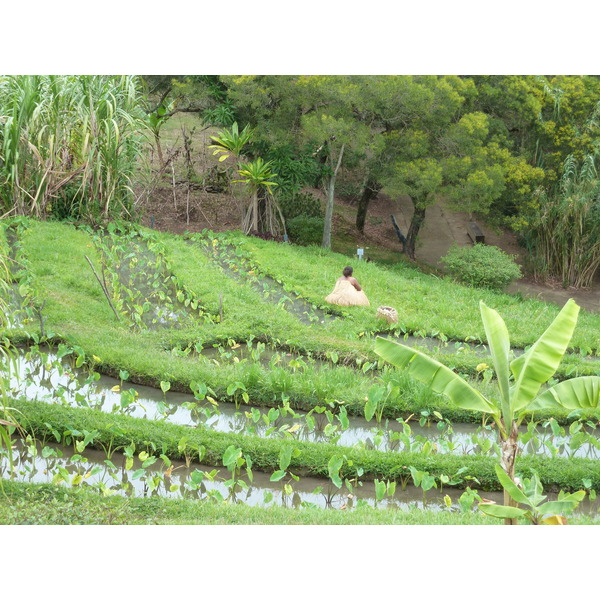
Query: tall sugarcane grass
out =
(565, 236)
(7, 420)
(69, 142)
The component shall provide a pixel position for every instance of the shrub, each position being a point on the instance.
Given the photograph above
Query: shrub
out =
(299, 204)
(481, 266)
(306, 231)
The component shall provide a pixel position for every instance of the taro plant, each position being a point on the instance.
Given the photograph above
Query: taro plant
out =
(383, 489)
(234, 460)
(237, 392)
(285, 458)
(423, 480)
(517, 396)
(376, 400)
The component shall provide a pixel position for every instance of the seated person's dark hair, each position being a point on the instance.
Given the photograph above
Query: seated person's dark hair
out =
(347, 271)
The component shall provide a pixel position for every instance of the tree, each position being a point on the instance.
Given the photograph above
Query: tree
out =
(258, 177)
(332, 123)
(517, 397)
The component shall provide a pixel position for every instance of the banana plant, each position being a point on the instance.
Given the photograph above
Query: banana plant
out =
(156, 120)
(530, 494)
(517, 395)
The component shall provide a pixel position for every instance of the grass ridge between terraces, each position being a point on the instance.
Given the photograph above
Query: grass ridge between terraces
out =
(39, 419)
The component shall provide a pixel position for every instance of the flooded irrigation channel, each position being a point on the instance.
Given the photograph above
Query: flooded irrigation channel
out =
(46, 377)
(270, 289)
(151, 476)
(431, 345)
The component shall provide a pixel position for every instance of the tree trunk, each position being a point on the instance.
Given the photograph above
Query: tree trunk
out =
(413, 231)
(370, 191)
(507, 462)
(161, 160)
(329, 207)
(255, 211)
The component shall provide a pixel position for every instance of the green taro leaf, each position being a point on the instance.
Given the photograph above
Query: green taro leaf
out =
(231, 456)
(285, 457)
(277, 476)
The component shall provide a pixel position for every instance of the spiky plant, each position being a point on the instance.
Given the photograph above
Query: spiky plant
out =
(257, 176)
(566, 233)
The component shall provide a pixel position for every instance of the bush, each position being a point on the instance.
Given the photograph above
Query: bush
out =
(299, 204)
(481, 266)
(306, 231)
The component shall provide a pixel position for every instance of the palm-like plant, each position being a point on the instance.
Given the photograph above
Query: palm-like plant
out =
(257, 176)
(518, 395)
(231, 141)
(566, 231)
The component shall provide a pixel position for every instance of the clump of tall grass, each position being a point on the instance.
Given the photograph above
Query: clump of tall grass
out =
(69, 144)
(565, 235)
(7, 420)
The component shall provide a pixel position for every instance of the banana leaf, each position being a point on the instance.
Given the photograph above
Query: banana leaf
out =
(502, 512)
(433, 374)
(580, 392)
(539, 363)
(499, 343)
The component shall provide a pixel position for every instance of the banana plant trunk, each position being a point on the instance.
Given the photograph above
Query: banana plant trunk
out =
(509, 450)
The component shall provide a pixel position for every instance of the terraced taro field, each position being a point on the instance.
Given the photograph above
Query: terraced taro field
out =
(208, 367)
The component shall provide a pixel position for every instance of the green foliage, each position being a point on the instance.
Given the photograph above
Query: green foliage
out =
(295, 167)
(530, 494)
(299, 204)
(81, 131)
(564, 227)
(305, 230)
(481, 266)
(222, 115)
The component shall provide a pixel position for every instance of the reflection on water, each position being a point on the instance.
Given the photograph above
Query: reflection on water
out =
(141, 475)
(52, 378)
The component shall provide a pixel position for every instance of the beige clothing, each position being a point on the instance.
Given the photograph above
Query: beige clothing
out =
(345, 294)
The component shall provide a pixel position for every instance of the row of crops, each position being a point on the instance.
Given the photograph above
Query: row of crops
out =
(143, 364)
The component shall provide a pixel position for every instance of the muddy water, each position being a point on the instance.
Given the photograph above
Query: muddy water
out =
(37, 463)
(49, 381)
(437, 346)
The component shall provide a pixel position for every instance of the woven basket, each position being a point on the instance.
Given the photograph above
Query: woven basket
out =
(388, 313)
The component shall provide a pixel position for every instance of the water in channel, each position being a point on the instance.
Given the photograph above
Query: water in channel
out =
(43, 377)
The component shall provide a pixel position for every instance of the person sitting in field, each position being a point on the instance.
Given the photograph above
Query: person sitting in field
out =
(347, 291)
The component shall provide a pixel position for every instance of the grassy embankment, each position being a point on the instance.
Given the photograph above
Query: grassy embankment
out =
(77, 312)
